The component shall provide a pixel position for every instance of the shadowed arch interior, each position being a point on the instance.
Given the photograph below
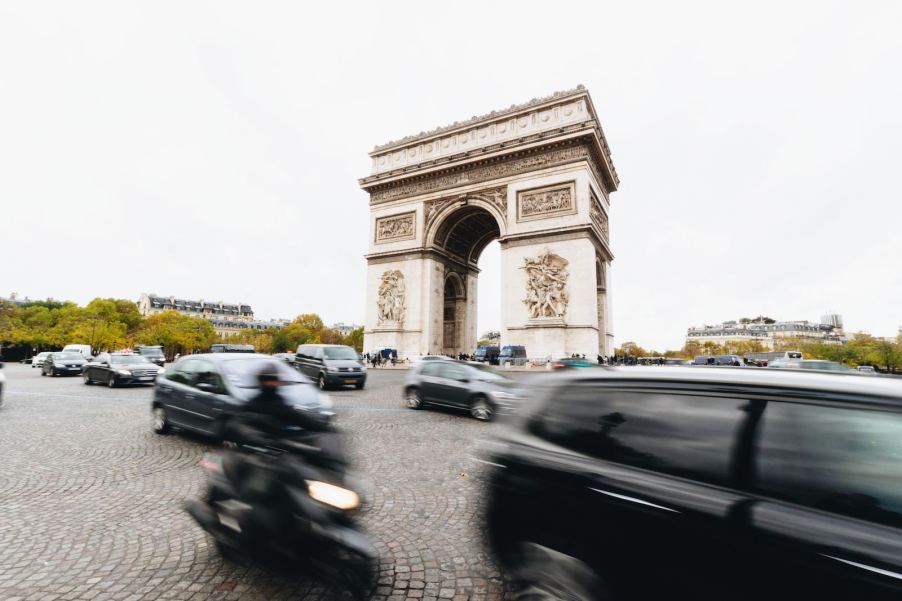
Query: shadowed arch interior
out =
(466, 233)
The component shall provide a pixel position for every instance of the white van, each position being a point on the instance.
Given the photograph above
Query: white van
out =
(84, 349)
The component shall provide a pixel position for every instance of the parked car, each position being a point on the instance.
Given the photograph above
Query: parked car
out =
(674, 361)
(201, 392)
(331, 365)
(703, 360)
(513, 354)
(153, 353)
(84, 349)
(655, 483)
(572, 363)
(119, 369)
(487, 354)
(38, 360)
(476, 387)
(63, 363)
(732, 360)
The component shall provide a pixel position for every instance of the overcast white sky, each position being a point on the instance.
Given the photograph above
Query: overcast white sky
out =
(212, 149)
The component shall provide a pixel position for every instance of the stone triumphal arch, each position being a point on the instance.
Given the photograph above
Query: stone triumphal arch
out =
(538, 178)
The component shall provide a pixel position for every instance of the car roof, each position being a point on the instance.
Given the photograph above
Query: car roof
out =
(847, 383)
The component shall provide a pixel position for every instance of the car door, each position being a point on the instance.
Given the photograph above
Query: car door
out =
(652, 492)
(828, 521)
(100, 368)
(206, 400)
(452, 386)
(428, 379)
(178, 393)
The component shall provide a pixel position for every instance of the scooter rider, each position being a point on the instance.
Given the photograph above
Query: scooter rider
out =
(263, 420)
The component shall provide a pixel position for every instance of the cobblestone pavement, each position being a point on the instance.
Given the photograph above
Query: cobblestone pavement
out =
(91, 499)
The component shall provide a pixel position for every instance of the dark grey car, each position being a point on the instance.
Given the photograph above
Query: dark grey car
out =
(63, 364)
(331, 365)
(201, 392)
(476, 387)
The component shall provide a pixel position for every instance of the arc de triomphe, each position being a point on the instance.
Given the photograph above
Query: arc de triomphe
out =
(537, 177)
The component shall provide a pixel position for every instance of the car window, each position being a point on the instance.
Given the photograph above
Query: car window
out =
(207, 373)
(846, 461)
(675, 433)
(302, 351)
(430, 368)
(317, 352)
(453, 371)
(183, 371)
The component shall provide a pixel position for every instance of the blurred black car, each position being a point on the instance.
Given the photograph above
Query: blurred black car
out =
(201, 392)
(63, 364)
(119, 369)
(656, 483)
(475, 387)
(154, 354)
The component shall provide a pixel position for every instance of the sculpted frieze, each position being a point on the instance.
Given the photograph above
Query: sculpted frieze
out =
(599, 217)
(476, 174)
(396, 227)
(548, 201)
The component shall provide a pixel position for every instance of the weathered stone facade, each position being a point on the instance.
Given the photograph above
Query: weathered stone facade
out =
(537, 177)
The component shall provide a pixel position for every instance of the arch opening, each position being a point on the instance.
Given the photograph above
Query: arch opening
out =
(460, 238)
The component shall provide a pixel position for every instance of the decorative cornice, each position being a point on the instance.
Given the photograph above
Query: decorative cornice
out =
(514, 108)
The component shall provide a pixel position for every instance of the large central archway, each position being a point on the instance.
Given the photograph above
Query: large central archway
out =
(535, 177)
(458, 236)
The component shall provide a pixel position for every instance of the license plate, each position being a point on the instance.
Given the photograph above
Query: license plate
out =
(350, 381)
(146, 378)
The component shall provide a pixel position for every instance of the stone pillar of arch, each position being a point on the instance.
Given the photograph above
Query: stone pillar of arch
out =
(538, 178)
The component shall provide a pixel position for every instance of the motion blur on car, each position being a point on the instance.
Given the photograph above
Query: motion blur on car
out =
(572, 363)
(66, 363)
(201, 393)
(474, 387)
(655, 483)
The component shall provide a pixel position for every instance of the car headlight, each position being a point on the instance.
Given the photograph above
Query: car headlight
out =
(123, 372)
(334, 496)
(161, 371)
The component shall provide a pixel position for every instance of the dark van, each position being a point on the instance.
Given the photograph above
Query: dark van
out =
(703, 360)
(154, 354)
(331, 365)
(487, 354)
(513, 354)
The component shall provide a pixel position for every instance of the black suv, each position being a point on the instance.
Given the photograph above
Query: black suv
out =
(680, 483)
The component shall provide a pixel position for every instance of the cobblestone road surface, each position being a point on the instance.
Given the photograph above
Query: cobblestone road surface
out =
(91, 500)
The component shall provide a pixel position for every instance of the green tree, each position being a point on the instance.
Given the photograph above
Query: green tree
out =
(355, 339)
(177, 333)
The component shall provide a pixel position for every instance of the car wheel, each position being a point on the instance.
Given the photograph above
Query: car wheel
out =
(112, 381)
(322, 382)
(43, 373)
(160, 421)
(87, 378)
(414, 399)
(481, 409)
(545, 573)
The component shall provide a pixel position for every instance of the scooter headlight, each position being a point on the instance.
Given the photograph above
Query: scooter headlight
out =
(334, 496)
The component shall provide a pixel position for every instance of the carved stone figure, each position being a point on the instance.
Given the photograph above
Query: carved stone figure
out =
(546, 280)
(599, 217)
(391, 297)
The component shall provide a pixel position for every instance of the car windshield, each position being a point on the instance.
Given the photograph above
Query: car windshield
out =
(151, 352)
(484, 372)
(126, 359)
(68, 356)
(339, 352)
(243, 372)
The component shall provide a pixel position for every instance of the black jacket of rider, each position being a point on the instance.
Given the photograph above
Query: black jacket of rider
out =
(265, 418)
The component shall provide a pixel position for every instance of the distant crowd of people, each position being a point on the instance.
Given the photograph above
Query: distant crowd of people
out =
(383, 357)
